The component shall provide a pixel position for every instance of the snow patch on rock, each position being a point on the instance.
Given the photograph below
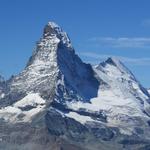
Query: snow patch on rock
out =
(23, 110)
(80, 118)
(32, 99)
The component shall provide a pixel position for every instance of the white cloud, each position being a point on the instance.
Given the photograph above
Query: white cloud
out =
(133, 61)
(121, 42)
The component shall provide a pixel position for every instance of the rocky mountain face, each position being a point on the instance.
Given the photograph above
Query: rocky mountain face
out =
(2, 87)
(148, 90)
(59, 102)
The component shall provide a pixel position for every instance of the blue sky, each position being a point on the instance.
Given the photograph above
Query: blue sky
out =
(97, 28)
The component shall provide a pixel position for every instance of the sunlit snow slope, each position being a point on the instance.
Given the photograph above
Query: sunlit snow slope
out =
(120, 98)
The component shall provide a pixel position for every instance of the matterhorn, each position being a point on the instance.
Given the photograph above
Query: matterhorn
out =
(58, 102)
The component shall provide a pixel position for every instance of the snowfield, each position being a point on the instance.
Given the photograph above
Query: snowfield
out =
(23, 110)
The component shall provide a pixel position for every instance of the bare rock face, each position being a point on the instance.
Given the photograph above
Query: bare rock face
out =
(2, 87)
(60, 103)
(148, 91)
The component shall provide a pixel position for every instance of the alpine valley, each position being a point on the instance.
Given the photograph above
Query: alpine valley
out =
(59, 102)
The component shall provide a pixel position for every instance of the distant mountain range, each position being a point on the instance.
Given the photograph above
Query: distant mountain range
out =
(59, 102)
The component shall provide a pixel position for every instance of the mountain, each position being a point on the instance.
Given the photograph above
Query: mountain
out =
(124, 96)
(148, 90)
(54, 72)
(2, 86)
(120, 98)
(60, 102)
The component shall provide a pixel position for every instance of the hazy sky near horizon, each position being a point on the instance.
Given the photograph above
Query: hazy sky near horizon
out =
(97, 28)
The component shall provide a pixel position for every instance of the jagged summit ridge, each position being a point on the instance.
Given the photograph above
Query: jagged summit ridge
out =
(53, 38)
(114, 62)
(52, 29)
(54, 66)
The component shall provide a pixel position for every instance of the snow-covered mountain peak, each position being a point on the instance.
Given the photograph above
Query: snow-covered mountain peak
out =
(113, 67)
(120, 96)
(54, 39)
(113, 61)
(53, 24)
(54, 66)
(52, 30)
(116, 63)
(73, 99)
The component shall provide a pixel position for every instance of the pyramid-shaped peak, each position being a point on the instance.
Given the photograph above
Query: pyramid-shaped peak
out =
(53, 24)
(54, 59)
(52, 30)
(113, 61)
